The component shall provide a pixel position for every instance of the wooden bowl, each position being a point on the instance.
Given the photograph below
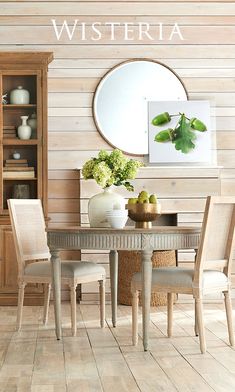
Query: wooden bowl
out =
(143, 214)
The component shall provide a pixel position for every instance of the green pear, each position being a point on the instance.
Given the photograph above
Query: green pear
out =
(143, 194)
(143, 200)
(132, 200)
(143, 197)
(153, 199)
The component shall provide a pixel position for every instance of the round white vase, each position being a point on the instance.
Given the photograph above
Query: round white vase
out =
(24, 130)
(102, 202)
(19, 96)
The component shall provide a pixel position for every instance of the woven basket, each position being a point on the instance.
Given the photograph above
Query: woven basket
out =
(129, 262)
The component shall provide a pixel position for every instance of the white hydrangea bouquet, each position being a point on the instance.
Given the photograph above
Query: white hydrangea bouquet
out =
(111, 169)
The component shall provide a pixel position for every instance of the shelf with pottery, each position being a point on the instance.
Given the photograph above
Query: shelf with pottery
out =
(19, 106)
(19, 142)
(21, 179)
(23, 150)
(19, 132)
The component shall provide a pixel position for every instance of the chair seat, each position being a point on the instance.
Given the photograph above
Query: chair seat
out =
(182, 277)
(69, 269)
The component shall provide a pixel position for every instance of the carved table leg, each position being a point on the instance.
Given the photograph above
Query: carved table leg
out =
(56, 279)
(146, 293)
(113, 265)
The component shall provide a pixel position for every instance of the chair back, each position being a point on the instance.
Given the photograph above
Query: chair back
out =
(28, 226)
(217, 236)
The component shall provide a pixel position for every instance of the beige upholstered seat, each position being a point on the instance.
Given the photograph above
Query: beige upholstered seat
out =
(211, 272)
(69, 269)
(178, 277)
(33, 259)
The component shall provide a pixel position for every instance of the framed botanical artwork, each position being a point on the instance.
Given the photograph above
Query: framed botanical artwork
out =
(180, 132)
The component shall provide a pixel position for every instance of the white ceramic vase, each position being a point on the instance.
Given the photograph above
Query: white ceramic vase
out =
(32, 122)
(24, 130)
(19, 96)
(102, 202)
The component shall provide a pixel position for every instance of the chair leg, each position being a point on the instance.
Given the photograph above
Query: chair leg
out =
(102, 302)
(200, 324)
(20, 305)
(73, 308)
(135, 304)
(170, 300)
(229, 315)
(195, 321)
(47, 292)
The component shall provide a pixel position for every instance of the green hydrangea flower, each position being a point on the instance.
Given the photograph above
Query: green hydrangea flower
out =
(102, 174)
(111, 169)
(131, 169)
(103, 155)
(117, 160)
(87, 169)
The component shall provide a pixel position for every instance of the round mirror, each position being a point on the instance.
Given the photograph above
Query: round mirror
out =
(120, 105)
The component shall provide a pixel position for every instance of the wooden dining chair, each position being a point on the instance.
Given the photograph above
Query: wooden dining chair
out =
(33, 259)
(211, 272)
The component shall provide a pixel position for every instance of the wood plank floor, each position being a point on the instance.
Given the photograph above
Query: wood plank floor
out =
(104, 360)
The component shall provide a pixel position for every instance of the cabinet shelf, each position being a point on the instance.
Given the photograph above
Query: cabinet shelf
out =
(20, 179)
(19, 142)
(29, 70)
(10, 106)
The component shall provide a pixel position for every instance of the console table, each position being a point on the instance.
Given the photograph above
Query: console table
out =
(129, 238)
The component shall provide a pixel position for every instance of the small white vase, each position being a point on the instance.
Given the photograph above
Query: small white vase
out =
(24, 130)
(16, 155)
(32, 122)
(19, 96)
(99, 205)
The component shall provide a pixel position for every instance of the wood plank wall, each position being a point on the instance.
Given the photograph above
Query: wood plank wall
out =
(205, 61)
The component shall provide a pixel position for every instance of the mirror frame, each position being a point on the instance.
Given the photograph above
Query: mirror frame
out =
(106, 75)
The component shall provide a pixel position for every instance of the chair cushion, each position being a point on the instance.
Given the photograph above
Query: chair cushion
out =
(69, 269)
(177, 276)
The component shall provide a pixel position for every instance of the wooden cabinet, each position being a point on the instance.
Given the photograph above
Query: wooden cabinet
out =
(28, 70)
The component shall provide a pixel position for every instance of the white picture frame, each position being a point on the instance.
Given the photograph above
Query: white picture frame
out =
(165, 153)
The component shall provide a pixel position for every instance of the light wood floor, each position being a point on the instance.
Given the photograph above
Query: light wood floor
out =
(104, 360)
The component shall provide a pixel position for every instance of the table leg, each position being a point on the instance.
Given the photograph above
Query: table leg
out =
(56, 280)
(146, 293)
(113, 265)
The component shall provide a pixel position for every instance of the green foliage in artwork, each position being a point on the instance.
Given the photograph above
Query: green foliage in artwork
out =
(183, 135)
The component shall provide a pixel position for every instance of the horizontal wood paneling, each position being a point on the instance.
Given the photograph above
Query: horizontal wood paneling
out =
(63, 175)
(90, 140)
(63, 205)
(70, 218)
(62, 189)
(205, 35)
(77, 100)
(186, 187)
(71, 100)
(228, 186)
(118, 8)
(205, 61)
(24, 20)
(71, 124)
(110, 1)
(66, 141)
(87, 124)
(186, 63)
(192, 84)
(82, 112)
(120, 52)
(169, 205)
(182, 72)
